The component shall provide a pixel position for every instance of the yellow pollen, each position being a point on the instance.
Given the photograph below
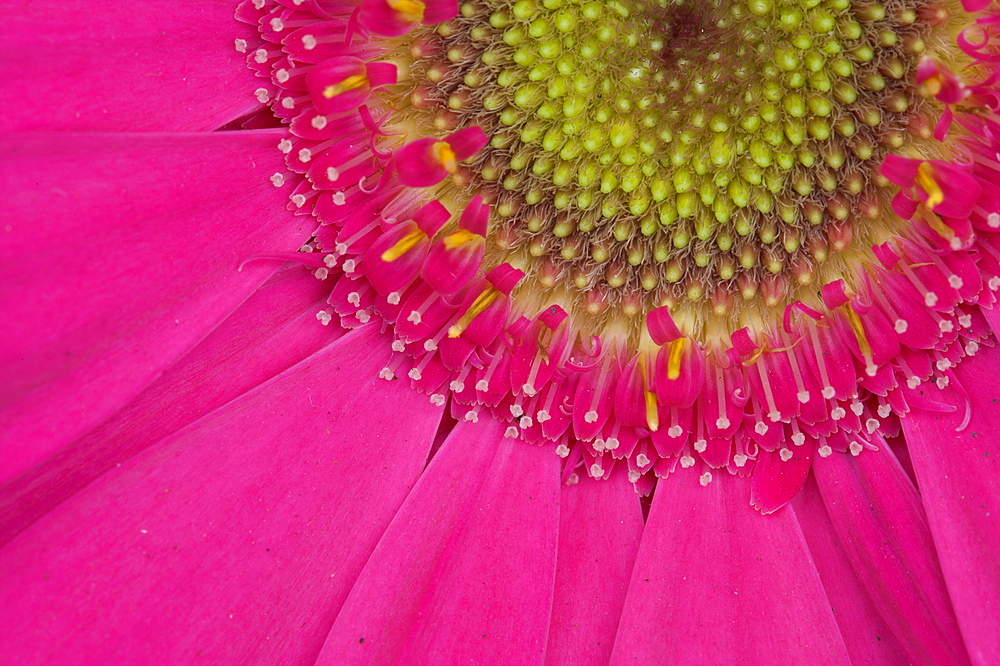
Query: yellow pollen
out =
(445, 156)
(652, 411)
(403, 245)
(674, 361)
(925, 178)
(459, 238)
(408, 10)
(350, 83)
(859, 332)
(483, 301)
(934, 84)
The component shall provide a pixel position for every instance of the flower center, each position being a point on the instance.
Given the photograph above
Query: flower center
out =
(715, 156)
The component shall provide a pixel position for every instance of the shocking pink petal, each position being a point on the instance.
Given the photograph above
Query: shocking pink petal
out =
(715, 582)
(877, 516)
(959, 477)
(868, 639)
(599, 530)
(465, 572)
(128, 66)
(122, 253)
(273, 330)
(234, 541)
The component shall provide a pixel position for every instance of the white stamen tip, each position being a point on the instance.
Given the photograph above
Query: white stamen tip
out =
(324, 317)
(930, 299)
(392, 298)
(430, 345)
(437, 399)
(884, 411)
(825, 451)
(856, 448)
(456, 386)
(675, 431)
(482, 386)
(414, 318)
(857, 408)
(472, 417)
(562, 451)
(760, 428)
(398, 346)
(700, 446)
(740, 459)
(241, 45)
(263, 95)
(798, 439)
(596, 471)
(837, 413)
(590, 417)
(705, 478)
(804, 397)
(901, 325)
(543, 415)
(642, 460)
(511, 433)
(516, 411)
(308, 42)
(687, 461)
(414, 374)
(386, 374)
(829, 392)
(528, 390)
(871, 425)
(573, 479)
(278, 179)
(785, 454)
(722, 423)
(634, 476)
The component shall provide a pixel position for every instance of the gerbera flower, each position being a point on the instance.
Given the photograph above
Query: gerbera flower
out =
(627, 332)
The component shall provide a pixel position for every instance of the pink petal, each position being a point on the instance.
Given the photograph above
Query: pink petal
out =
(715, 582)
(234, 541)
(465, 572)
(130, 66)
(600, 526)
(123, 252)
(867, 637)
(877, 517)
(272, 331)
(959, 478)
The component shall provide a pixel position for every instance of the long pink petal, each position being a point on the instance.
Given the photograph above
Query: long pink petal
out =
(120, 253)
(234, 541)
(129, 66)
(600, 527)
(959, 478)
(273, 330)
(715, 582)
(867, 637)
(880, 524)
(464, 574)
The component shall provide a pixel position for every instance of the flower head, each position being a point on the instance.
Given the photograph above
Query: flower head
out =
(738, 256)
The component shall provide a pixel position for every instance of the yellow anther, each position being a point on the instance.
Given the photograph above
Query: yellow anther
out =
(674, 360)
(652, 410)
(934, 83)
(859, 332)
(445, 156)
(935, 223)
(459, 238)
(403, 245)
(408, 10)
(483, 301)
(925, 178)
(350, 83)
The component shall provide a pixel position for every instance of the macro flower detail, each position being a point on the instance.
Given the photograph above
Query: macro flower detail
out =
(717, 207)
(513, 332)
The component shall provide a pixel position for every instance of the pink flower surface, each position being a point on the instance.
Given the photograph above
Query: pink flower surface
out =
(269, 396)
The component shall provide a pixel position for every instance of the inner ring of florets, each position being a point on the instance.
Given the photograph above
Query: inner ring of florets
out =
(688, 153)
